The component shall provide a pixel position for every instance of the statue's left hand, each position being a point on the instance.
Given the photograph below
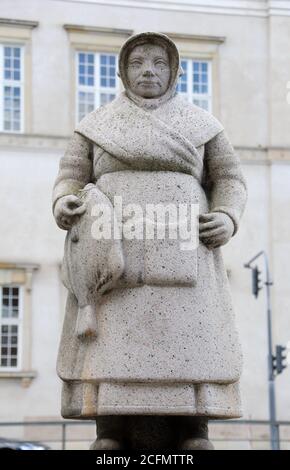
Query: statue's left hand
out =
(215, 229)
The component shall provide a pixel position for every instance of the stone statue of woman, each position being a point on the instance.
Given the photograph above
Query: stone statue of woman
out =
(149, 347)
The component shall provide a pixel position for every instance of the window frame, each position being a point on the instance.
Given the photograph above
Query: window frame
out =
(97, 89)
(12, 83)
(190, 94)
(203, 48)
(85, 38)
(20, 33)
(12, 321)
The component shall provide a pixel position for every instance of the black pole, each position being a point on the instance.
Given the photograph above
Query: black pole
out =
(274, 427)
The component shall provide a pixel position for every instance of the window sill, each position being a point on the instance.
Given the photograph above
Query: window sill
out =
(26, 376)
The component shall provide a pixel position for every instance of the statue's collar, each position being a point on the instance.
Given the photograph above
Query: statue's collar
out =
(150, 103)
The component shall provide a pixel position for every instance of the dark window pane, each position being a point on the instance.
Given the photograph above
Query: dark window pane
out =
(14, 328)
(3, 362)
(14, 362)
(184, 64)
(106, 98)
(4, 328)
(7, 51)
(16, 103)
(7, 94)
(5, 312)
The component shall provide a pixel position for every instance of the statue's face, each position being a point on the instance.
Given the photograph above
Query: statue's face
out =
(148, 70)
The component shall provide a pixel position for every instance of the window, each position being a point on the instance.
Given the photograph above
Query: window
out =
(195, 83)
(97, 81)
(11, 88)
(10, 324)
(16, 287)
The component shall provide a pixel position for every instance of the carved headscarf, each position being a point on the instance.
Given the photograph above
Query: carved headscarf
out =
(174, 60)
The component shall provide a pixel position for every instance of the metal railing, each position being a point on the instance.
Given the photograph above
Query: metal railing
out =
(219, 433)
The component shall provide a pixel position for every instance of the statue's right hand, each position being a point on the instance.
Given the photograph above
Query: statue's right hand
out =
(68, 210)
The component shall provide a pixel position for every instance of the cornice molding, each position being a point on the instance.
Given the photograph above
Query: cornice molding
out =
(258, 8)
(197, 37)
(97, 30)
(53, 144)
(39, 143)
(26, 266)
(20, 23)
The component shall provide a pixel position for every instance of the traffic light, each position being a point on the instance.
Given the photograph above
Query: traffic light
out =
(278, 360)
(256, 287)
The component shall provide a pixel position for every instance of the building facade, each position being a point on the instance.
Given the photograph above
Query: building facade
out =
(58, 61)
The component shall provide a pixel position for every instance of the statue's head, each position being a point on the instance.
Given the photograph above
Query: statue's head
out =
(148, 70)
(149, 67)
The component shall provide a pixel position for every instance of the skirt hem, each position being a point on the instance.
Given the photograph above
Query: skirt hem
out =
(83, 400)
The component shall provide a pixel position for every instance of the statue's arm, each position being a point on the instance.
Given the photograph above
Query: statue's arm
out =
(228, 191)
(75, 171)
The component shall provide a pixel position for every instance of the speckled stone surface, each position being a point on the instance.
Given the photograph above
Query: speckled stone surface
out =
(156, 261)
(87, 399)
(158, 333)
(161, 337)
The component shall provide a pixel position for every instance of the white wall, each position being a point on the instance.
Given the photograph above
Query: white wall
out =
(255, 115)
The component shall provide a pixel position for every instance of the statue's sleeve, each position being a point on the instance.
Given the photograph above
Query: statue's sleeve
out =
(227, 185)
(75, 168)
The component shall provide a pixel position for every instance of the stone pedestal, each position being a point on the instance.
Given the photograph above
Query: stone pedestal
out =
(152, 433)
